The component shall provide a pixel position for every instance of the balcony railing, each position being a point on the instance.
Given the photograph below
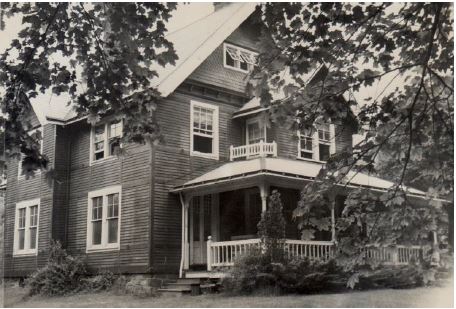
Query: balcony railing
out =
(260, 149)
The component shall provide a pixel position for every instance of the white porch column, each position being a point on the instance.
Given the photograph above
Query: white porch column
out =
(185, 201)
(264, 192)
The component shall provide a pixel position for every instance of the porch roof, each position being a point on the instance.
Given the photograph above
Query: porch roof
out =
(286, 168)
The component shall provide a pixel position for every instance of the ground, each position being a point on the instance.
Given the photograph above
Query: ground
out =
(420, 297)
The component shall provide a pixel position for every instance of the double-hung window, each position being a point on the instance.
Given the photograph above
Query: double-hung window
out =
(36, 134)
(106, 140)
(239, 59)
(103, 224)
(256, 131)
(317, 144)
(26, 227)
(204, 130)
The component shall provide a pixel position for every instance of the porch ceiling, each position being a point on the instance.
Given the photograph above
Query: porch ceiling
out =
(246, 173)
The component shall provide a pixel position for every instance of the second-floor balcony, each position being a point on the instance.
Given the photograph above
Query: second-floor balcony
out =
(250, 151)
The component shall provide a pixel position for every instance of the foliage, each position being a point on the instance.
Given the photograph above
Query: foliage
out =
(317, 52)
(62, 274)
(103, 55)
(253, 273)
(271, 228)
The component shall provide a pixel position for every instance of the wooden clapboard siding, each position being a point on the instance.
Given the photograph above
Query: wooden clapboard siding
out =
(26, 189)
(132, 171)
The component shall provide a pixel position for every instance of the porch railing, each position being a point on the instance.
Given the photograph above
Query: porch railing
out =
(260, 149)
(224, 253)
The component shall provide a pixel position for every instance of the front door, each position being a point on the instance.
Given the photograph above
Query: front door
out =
(200, 228)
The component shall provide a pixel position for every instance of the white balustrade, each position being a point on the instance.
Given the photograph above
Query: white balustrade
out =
(321, 250)
(260, 149)
(396, 255)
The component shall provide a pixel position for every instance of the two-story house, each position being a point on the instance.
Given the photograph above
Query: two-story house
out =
(191, 202)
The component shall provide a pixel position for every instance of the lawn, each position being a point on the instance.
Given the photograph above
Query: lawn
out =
(420, 297)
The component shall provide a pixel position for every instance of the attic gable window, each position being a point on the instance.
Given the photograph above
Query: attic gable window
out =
(106, 140)
(204, 130)
(238, 58)
(317, 145)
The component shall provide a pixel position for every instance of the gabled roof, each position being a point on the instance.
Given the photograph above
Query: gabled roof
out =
(298, 169)
(194, 43)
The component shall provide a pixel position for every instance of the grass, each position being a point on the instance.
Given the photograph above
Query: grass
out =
(420, 297)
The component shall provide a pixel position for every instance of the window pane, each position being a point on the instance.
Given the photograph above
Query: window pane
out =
(21, 239)
(96, 232)
(255, 133)
(115, 129)
(113, 205)
(244, 66)
(113, 225)
(33, 216)
(307, 155)
(99, 133)
(97, 208)
(324, 152)
(202, 144)
(114, 146)
(33, 239)
(21, 217)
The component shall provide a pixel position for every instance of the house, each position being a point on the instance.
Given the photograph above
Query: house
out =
(192, 202)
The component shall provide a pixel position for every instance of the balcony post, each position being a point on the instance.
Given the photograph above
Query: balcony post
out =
(231, 152)
(274, 148)
(261, 148)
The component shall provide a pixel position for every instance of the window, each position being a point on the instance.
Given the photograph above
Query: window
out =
(37, 134)
(106, 140)
(103, 226)
(238, 58)
(317, 145)
(255, 131)
(26, 228)
(204, 130)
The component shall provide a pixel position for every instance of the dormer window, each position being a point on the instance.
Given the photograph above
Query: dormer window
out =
(238, 58)
(317, 145)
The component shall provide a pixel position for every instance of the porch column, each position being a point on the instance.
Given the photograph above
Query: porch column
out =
(264, 191)
(185, 201)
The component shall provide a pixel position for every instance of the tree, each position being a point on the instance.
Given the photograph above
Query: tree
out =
(271, 229)
(102, 54)
(408, 130)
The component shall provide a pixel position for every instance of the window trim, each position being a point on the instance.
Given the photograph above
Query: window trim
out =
(27, 205)
(104, 246)
(215, 129)
(19, 163)
(316, 143)
(105, 123)
(240, 49)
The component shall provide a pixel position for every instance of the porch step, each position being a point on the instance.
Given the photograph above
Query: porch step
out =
(182, 286)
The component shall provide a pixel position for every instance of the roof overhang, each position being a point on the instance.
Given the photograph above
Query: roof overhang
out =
(279, 171)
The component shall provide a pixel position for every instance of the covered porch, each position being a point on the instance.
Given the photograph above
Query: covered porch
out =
(221, 209)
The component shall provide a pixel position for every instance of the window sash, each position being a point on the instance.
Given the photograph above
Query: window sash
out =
(204, 124)
(104, 211)
(323, 135)
(243, 59)
(26, 228)
(103, 135)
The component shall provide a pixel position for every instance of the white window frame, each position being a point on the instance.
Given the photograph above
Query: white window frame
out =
(27, 250)
(253, 120)
(19, 163)
(239, 57)
(215, 130)
(106, 156)
(104, 246)
(315, 144)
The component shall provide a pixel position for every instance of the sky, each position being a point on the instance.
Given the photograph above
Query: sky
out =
(185, 14)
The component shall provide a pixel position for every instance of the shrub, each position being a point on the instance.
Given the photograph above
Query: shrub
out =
(61, 274)
(104, 280)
